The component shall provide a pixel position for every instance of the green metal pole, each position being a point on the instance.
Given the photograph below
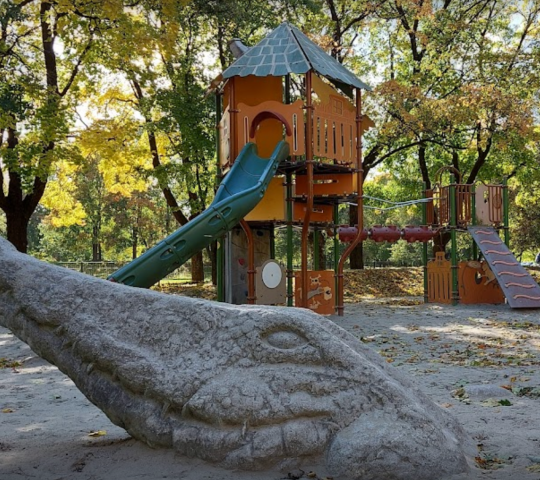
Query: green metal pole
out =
(505, 212)
(290, 273)
(425, 249)
(453, 228)
(220, 260)
(316, 258)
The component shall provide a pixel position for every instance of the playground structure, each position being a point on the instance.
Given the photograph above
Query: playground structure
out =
(322, 128)
(289, 152)
(492, 275)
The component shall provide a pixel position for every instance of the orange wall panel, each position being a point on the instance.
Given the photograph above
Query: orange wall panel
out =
(321, 291)
(253, 90)
(320, 213)
(272, 206)
(477, 284)
(329, 184)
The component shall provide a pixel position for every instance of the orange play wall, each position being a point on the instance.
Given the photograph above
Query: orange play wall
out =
(329, 184)
(477, 284)
(271, 130)
(439, 280)
(320, 213)
(321, 291)
(272, 206)
(253, 90)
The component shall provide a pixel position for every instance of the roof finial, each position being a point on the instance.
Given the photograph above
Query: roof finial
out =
(237, 47)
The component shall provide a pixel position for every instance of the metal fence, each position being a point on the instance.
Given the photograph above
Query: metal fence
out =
(104, 269)
(183, 274)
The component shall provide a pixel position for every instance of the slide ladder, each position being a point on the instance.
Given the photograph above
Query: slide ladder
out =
(239, 193)
(520, 289)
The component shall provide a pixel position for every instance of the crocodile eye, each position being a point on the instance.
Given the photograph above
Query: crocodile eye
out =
(285, 339)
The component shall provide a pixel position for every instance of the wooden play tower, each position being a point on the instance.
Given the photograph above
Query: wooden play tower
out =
(287, 88)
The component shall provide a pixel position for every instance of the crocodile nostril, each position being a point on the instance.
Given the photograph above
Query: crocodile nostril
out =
(285, 339)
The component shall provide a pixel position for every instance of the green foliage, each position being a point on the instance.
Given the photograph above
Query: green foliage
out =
(3, 226)
(525, 222)
(403, 253)
(456, 83)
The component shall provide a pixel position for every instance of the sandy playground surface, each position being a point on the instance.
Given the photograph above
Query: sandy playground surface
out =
(480, 362)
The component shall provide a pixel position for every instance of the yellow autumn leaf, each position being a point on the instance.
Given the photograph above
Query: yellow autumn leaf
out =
(98, 433)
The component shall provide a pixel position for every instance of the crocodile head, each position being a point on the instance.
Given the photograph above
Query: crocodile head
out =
(246, 387)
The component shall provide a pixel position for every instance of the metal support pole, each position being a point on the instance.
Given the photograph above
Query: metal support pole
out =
(219, 243)
(505, 212)
(289, 200)
(233, 116)
(316, 256)
(309, 200)
(336, 247)
(359, 202)
(219, 270)
(251, 262)
(272, 242)
(453, 237)
(473, 220)
(425, 249)
(290, 273)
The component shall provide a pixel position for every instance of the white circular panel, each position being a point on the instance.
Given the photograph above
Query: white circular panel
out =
(271, 275)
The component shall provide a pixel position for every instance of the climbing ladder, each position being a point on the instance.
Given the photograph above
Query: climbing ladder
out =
(520, 289)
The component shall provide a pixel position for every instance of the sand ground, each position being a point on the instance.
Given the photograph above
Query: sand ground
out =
(480, 362)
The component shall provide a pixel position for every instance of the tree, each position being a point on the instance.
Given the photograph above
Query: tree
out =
(37, 91)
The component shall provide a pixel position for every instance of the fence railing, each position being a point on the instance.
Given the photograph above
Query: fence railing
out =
(183, 274)
(104, 269)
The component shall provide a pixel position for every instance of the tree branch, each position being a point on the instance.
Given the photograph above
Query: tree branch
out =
(156, 163)
(77, 66)
(47, 39)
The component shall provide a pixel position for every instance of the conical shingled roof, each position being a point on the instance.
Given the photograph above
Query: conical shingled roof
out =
(287, 50)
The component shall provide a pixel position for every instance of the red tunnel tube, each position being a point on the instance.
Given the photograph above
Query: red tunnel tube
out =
(380, 233)
(414, 233)
(348, 234)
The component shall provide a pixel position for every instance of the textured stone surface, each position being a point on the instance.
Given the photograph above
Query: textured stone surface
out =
(245, 387)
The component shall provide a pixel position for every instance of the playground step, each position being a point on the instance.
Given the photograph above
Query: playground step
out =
(520, 289)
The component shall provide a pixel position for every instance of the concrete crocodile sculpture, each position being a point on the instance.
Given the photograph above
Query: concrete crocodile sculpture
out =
(244, 387)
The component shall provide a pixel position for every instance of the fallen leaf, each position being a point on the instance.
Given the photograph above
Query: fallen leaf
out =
(492, 402)
(98, 433)
(7, 410)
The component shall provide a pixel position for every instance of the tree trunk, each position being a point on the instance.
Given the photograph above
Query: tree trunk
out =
(322, 250)
(212, 253)
(197, 268)
(17, 229)
(356, 258)
(440, 242)
(96, 246)
(134, 242)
